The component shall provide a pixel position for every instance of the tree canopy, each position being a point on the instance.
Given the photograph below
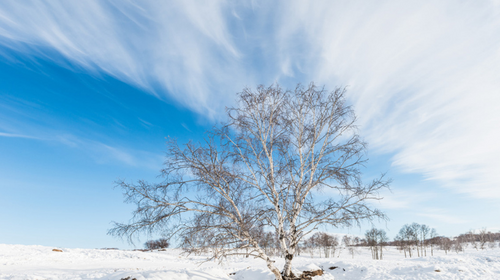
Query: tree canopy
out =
(285, 160)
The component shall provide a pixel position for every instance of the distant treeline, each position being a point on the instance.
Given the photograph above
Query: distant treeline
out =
(414, 240)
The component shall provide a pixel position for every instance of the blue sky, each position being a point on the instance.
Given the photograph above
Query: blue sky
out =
(91, 89)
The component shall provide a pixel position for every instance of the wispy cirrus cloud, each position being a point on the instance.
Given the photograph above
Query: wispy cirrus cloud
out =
(104, 153)
(404, 198)
(100, 152)
(13, 135)
(423, 75)
(183, 48)
(441, 216)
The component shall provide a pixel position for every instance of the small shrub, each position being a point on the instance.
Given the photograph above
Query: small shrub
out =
(157, 244)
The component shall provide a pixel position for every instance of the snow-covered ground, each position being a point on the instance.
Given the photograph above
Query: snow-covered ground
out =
(38, 262)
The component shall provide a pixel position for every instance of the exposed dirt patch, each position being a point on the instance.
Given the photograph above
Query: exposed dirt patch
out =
(306, 275)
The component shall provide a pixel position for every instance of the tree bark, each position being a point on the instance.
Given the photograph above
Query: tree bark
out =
(274, 269)
(287, 269)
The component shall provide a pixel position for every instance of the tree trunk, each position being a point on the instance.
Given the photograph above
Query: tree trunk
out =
(287, 269)
(274, 269)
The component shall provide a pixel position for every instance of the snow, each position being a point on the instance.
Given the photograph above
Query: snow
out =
(39, 262)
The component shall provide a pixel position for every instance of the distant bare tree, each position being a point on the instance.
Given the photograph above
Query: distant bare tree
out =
(382, 241)
(268, 242)
(346, 241)
(424, 232)
(415, 236)
(491, 240)
(492, 244)
(463, 239)
(309, 246)
(472, 239)
(432, 240)
(376, 239)
(323, 243)
(445, 244)
(333, 245)
(350, 243)
(266, 167)
(371, 240)
(457, 245)
(483, 238)
(400, 244)
(317, 241)
(405, 238)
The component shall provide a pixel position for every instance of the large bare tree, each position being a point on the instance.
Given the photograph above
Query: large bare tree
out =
(286, 160)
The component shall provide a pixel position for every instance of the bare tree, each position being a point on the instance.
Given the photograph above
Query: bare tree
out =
(376, 239)
(270, 165)
(405, 238)
(268, 243)
(463, 239)
(382, 241)
(323, 242)
(350, 243)
(308, 246)
(333, 244)
(346, 241)
(472, 239)
(432, 240)
(415, 236)
(457, 245)
(399, 242)
(483, 238)
(491, 240)
(424, 232)
(371, 242)
(445, 244)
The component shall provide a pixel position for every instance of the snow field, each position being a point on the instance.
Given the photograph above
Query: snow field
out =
(21, 262)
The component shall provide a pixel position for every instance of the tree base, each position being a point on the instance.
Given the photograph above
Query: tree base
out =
(306, 275)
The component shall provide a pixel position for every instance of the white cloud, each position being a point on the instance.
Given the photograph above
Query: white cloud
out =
(100, 152)
(401, 198)
(439, 216)
(424, 76)
(12, 135)
(179, 47)
(103, 153)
